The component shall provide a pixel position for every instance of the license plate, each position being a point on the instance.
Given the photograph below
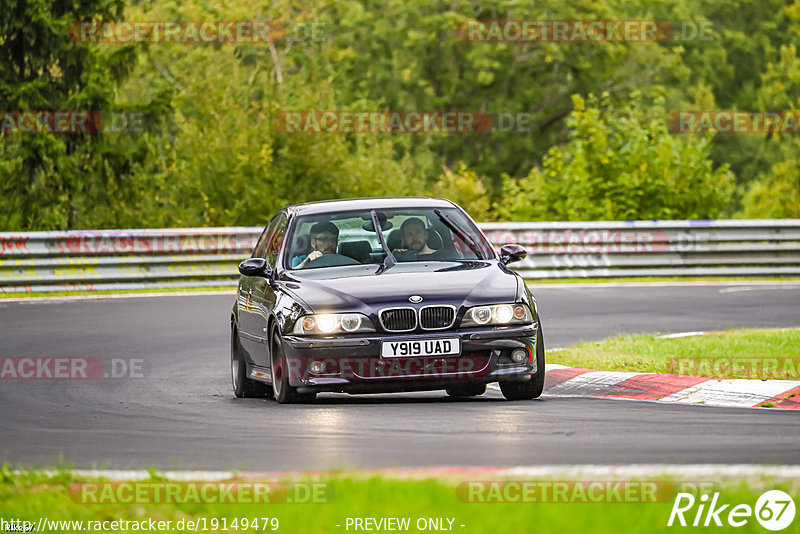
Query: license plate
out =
(421, 347)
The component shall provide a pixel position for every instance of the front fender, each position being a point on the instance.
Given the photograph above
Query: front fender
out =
(530, 300)
(286, 313)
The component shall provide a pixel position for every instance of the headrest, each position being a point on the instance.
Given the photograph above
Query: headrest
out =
(394, 239)
(434, 239)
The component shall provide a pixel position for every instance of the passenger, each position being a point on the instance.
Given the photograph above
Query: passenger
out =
(415, 239)
(324, 240)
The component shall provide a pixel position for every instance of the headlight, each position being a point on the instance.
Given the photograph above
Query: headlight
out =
(333, 323)
(498, 314)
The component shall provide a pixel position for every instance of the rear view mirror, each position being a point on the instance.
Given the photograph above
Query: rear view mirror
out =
(512, 253)
(254, 267)
(386, 224)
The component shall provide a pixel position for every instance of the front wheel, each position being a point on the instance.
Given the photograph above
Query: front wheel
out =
(532, 388)
(283, 391)
(242, 385)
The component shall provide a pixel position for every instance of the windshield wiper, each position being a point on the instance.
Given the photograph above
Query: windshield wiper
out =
(461, 233)
(389, 261)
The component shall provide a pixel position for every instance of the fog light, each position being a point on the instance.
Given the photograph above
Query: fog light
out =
(519, 355)
(316, 366)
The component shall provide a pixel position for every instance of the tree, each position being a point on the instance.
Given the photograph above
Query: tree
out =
(464, 187)
(409, 55)
(620, 163)
(224, 160)
(775, 193)
(61, 180)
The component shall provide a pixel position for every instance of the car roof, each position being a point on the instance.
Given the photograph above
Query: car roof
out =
(331, 206)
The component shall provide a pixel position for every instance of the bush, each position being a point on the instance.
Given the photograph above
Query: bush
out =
(620, 164)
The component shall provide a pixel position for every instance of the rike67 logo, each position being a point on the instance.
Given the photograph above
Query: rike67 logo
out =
(774, 510)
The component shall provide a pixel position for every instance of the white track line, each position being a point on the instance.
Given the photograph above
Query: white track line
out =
(755, 288)
(579, 471)
(683, 334)
(644, 470)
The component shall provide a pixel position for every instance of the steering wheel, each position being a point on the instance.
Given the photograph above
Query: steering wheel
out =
(330, 260)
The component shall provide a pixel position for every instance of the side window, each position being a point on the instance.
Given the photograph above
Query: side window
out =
(261, 247)
(276, 239)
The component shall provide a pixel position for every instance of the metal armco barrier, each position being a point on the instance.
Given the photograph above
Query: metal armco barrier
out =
(197, 257)
(761, 247)
(123, 259)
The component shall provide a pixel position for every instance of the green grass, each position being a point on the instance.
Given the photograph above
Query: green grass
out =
(30, 496)
(35, 294)
(744, 353)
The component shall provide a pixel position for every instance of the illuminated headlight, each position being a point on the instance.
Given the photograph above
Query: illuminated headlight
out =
(500, 314)
(326, 323)
(503, 314)
(333, 323)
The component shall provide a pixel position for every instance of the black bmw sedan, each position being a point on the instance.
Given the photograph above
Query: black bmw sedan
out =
(379, 295)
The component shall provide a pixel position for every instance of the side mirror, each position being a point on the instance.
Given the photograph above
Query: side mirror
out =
(254, 267)
(512, 253)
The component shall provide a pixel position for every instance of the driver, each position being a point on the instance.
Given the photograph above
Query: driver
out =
(324, 240)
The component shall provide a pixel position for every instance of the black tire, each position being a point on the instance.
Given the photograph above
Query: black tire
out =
(244, 387)
(282, 391)
(530, 389)
(471, 390)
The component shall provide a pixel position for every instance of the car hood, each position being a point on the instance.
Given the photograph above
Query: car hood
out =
(465, 283)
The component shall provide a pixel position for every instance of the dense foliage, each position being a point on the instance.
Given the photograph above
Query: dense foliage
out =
(595, 143)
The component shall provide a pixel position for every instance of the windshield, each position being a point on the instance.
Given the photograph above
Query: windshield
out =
(412, 235)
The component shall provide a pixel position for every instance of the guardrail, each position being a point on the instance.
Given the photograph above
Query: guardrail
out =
(768, 247)
(197, 257)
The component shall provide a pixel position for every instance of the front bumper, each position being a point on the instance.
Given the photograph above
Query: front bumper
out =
(354, 364)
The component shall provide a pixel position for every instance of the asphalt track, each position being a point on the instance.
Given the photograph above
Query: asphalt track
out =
(181, 413)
